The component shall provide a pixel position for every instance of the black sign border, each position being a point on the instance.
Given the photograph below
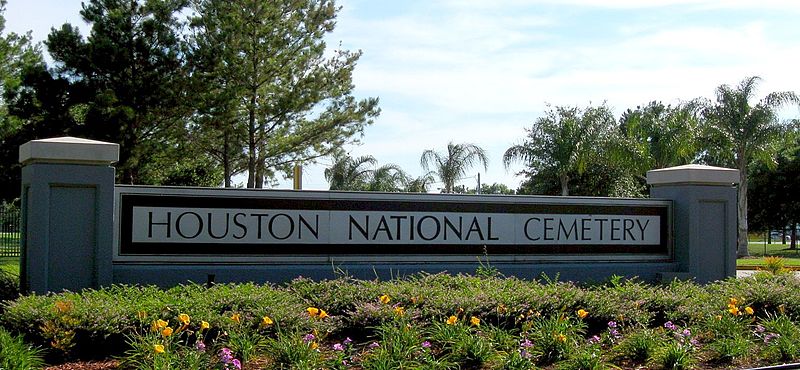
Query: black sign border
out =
(129, 248)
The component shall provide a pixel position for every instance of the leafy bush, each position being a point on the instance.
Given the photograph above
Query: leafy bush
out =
(9, 287)
(15, 354)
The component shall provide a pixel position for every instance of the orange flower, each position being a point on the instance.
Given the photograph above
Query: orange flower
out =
(166, 332)
(236, 318)
(399, 311)
(561, 338)
(385, 299)
(452, 320)
(732, 301)
(475, 321)
(749, 310)
(63, 306)
(734, 310)
(183, 318)
(157, 348)
(266, 321)
(312, 311)
(322, 314)
(583, 313)
(314, 345)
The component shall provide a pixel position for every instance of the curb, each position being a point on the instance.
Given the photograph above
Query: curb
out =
(757, 268)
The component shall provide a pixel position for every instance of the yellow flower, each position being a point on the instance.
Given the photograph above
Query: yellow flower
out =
(399, 311)
(475, 321)
(166, 332)
(314, 345)
(322, 314)
(204, 325)
(236, 318)
(312, 311)
(749, 310)
(183, 318)
(734, 310)
(158, 325)
(561, 338)
(452, 320)
(501, 309)
(266, 321)
(385, 299)
(157, 348)
(733, 301)
(141, 315)
(583, 313)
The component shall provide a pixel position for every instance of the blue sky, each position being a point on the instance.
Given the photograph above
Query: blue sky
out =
(481, 71)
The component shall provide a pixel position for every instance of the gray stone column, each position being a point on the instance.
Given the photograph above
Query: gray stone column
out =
(704, 219)
(67, 213)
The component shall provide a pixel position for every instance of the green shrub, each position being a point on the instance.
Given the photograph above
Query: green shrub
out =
(638, 346)
(15, 354)
(9, 287)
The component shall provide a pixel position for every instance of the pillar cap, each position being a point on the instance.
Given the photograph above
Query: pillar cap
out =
(68, 149)
(693, 174)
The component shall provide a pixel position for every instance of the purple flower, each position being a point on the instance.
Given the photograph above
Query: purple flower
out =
(373, 345)
(612, 324)
(338, 347)
(347, 341)
(594, 340)
(524, 354)
(308, 338)
(426, 344)
(526, 344)
(200, 346)
(769, 337)
(686, 332)
(614, 333)
(225, 356)
(237, 364)
(693, 342)
(669, 325)
(759, 329)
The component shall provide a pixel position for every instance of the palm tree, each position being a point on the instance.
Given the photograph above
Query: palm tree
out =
(564, 141)
(348, 173)
(387, 178)
(742, 133)
(449, 167)
(420, 184)
(658, 136)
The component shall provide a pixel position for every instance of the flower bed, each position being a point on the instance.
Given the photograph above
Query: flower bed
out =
(423, 321)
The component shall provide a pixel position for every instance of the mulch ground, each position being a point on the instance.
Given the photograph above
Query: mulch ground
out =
(95, 365)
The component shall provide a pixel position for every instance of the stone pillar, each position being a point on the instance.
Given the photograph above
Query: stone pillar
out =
(704, 219)
(67, 213)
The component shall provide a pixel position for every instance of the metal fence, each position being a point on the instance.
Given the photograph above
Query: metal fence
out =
(9, 232)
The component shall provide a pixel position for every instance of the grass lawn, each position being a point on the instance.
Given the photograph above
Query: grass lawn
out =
(757, 253)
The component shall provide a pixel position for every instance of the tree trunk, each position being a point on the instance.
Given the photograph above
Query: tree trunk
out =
(226, 158)
(564, 179)
(794, 236)
(252, 151)
(741, 249)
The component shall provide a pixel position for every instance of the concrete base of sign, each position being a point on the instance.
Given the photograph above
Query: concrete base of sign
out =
(171, 275)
